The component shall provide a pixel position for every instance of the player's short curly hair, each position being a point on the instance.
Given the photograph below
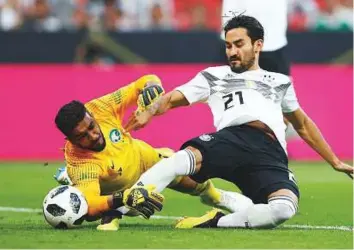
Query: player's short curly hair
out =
(69, 116)
(254, 28)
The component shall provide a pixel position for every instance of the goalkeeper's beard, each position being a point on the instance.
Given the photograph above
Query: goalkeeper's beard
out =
(98, 147)
(95, 146)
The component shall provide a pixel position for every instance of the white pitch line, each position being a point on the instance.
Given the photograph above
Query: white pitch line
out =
(340, 228)
(163, 217)
(20, 209)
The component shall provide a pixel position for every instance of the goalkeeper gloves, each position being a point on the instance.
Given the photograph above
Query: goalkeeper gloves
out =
(149, 95)
(62, 177)
(144, 200)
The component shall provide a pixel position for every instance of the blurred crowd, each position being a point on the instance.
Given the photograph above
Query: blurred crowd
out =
(336, 15)
(146, 15)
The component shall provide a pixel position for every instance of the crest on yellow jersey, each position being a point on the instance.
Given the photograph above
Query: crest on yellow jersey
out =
(115, 135)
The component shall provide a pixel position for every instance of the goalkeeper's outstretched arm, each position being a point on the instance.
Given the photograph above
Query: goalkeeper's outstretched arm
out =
(143, 200)
(166, 102)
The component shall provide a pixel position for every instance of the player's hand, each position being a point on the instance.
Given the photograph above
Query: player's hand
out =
(345, 168)
(138, 120)
(144, 200)
(62, 177)
(149, 95)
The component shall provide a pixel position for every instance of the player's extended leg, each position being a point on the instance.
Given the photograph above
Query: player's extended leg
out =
(282, 205)
(258, 165)
(182, 163)
(209, 195)
(205, 190)
(188, 162)
(110, 221)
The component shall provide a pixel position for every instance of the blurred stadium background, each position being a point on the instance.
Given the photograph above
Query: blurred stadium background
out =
(53, 51)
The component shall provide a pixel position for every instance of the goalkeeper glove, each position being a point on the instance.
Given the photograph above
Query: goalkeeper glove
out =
(149, 95)
(144, 200)
(62, 177)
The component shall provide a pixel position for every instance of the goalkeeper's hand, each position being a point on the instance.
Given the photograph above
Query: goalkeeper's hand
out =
(62, 177)
(144, 200)
(149, 95)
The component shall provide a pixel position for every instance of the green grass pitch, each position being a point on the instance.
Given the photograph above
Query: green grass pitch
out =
(326, 207)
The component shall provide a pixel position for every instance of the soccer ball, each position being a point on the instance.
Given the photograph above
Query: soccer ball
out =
(64, 207)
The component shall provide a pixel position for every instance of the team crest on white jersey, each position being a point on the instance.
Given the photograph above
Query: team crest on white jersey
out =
(115, 136)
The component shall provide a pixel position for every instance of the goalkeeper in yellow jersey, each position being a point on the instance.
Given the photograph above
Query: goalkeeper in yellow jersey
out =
(103, 160)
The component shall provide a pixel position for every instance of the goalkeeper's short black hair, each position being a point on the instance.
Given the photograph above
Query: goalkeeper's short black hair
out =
(69, 116)
(254, 28)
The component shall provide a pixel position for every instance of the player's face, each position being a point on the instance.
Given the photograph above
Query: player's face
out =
(241, 53)
(87, 135)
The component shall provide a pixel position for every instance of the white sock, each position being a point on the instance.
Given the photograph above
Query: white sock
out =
(278, 210)
(165, 171)
(233, 201)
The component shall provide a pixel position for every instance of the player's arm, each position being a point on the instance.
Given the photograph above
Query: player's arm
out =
(309, 132)
(122, 99)
(86, 178)
(143, 200)
(196, 90)
(131, 92)
(169, 101)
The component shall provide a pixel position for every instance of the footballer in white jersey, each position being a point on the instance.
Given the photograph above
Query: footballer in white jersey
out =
(249, 148)
(237, 99)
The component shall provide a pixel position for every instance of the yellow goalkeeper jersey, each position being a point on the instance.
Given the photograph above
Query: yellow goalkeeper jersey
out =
(124, 158)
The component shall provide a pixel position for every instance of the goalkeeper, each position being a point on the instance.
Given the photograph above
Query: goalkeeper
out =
(102, 159)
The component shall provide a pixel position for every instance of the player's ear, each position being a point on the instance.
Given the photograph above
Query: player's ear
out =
(258, 45)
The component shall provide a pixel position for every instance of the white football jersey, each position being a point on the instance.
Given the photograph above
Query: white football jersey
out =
(236, 99)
